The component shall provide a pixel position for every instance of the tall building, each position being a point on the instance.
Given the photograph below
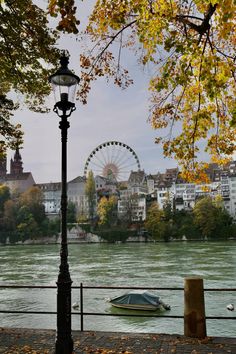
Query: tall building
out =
(16, 167)
(17, 179)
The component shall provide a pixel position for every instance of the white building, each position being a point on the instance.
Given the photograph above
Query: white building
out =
(51, 197)
(131, 207)
(75, 192)
(132, 199)
(76, 195)
(231, 202)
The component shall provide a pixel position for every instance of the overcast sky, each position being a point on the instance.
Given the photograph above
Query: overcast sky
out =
(111, 114)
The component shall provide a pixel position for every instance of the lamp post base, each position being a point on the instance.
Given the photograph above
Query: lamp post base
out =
(64, 346)
(64, 340)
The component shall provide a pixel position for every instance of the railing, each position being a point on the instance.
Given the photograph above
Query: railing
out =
(83, 314)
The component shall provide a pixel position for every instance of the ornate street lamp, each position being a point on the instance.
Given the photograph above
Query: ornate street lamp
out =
(64, 86)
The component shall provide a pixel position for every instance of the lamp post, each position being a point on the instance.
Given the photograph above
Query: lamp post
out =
(64, 84)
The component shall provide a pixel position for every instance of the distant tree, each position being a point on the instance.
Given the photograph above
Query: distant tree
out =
(90, 192)
(107, 211)
(4, 196)
(224, 222)
(71, 212)
(204, 216)
(155, 222)
(185, 226)
(27, 227)
(7, 217)
(24, 217)
(32, 198)
(82, 217)
(211, 218)
(53, 227)
(168, 210)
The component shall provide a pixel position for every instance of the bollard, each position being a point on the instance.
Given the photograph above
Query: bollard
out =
(194, 308)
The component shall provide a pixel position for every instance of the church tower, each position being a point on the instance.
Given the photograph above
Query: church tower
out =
(16, 166)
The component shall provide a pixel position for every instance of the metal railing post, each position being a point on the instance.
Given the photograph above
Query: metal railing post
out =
(81, 308)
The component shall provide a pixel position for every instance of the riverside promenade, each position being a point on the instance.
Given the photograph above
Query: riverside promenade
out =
(30, 341)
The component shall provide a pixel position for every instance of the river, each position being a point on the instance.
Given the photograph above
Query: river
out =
(150, 265)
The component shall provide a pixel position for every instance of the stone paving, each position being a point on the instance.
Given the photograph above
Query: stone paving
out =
(19, 341)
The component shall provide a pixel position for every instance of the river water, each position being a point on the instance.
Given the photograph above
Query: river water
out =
(143, 265)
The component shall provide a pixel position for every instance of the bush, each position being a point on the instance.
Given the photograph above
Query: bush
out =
(115, 235)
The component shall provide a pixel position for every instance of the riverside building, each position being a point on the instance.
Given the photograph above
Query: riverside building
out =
(136, 193)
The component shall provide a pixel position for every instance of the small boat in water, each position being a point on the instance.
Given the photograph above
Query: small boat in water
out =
(139, 300)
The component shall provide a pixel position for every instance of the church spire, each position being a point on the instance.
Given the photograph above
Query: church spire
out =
(16, 167)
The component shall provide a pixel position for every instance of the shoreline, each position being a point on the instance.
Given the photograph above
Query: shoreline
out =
(41, 242)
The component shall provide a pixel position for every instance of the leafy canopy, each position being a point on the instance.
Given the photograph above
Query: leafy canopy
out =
(107, 210)
(190, 46)
(28, 51)
(212, 218)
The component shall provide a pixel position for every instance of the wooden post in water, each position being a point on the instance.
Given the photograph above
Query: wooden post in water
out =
(194, 308)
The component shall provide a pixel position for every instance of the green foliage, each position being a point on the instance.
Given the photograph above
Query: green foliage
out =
(190, 45)
(23, 217)
(51, 227)
(207, 220)
(85, 227)
(28, 52)
(107, 211)
(71, 212)
(212, 219)
(33, 200)
(115, 234)
(185, 226)
(156, 225)
(4, 196)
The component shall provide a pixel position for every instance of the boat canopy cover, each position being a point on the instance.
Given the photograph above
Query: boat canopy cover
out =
(137, 297)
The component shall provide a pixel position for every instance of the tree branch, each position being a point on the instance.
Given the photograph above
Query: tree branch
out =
(109, 43)
(204, 26)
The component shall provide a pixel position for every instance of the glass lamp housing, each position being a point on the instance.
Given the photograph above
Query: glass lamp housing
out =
(64, 83)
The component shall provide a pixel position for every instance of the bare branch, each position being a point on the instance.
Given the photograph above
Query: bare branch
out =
(109, 43)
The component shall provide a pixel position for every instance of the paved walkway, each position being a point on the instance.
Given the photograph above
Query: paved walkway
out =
(31, 341)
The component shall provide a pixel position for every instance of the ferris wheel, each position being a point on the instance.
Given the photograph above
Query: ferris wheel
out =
(113, 160)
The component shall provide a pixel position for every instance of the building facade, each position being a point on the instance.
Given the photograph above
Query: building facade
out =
(17, 180)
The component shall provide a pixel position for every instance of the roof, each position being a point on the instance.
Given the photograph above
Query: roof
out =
(136, 177)
(13, 177)
(78, 179)
(51, 186)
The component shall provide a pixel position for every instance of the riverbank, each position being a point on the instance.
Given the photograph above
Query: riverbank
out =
(72, 238)
(22, 340)
(92, 239)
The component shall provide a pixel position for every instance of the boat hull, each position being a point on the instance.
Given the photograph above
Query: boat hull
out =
(136, 307)
(138, 300)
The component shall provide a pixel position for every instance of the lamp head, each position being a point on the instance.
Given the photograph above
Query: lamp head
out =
(64, 84)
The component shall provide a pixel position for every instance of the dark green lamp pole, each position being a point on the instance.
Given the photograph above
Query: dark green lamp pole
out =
(64, 84)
